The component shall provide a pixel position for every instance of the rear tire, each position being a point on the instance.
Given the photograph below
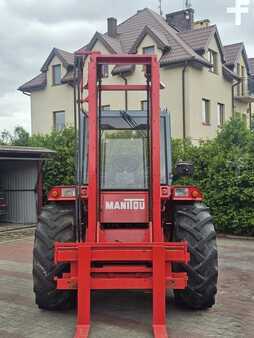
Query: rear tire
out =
(193, 223)
(55, 224)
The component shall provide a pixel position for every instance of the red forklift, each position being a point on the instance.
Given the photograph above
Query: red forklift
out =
(123, 226)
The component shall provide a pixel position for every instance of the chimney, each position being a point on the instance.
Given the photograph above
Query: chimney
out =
(112, 27)
(181, 20)
(201, 24)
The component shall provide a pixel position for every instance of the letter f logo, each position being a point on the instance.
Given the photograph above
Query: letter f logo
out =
(241, 7)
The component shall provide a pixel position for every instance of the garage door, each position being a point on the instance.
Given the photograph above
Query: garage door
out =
(19, 179)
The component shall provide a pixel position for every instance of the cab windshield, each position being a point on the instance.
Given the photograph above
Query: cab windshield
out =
(124, 162)
(124, 159)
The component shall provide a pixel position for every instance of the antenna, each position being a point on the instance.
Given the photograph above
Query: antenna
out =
(187, 4)
(160, 7)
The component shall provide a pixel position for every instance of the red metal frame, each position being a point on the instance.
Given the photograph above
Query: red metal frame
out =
(140, 260)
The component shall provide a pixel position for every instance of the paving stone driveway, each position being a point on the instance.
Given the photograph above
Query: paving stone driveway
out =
(129, 314)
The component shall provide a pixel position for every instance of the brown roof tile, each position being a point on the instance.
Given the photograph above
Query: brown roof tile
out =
(231, 53)
(67, 58)
(198, 39)
(37, 83)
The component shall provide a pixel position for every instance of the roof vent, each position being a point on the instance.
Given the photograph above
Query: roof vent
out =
(181, 20)
(112, 27)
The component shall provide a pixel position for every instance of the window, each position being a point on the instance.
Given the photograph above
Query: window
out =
(104, 71)
(205, 111)
(56, 70)
(221, 114)
(213, 59)
(144, 105)
(106, 107)
(239, 74)
(149, 50)
(243, 79)
(59, 120)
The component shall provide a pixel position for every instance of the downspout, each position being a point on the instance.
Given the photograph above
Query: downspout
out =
(184, 98)
(125, 92)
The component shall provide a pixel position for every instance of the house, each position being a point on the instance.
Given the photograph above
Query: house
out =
(198, 80)
(238, 62)
(251, 88)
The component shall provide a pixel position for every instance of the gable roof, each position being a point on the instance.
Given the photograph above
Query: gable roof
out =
(232, 54)
(111, 44)
(37, 83)
(66, 58)
(177, 47)
(199, 39)
(159, 38)
(131, 32)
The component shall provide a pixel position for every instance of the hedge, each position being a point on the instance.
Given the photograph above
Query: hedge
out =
(223, 171)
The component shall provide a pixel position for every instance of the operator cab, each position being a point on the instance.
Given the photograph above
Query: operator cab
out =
(124, 150)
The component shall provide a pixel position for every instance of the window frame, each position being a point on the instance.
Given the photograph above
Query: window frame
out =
(55, 117)
(54, 67)
(220, 114)
(147, 47)
(144, 53)
(213, 59)
(105, 107)
(142, 102)
(104, 71)
(242, 82)
(238, 88)
(206, 113)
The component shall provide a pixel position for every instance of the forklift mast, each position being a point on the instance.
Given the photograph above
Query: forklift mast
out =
(107, 258)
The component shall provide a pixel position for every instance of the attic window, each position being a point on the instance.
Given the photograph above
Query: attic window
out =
(56, 75)
(149, 50)
(213, 59)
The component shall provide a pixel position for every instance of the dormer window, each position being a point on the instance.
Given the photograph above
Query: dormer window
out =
(149, 50)
(213, 59)
(56, 75)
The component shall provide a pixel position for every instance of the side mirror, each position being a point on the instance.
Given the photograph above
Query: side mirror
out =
(184, 169)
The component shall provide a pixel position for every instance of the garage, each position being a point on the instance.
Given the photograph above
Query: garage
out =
(21, 183)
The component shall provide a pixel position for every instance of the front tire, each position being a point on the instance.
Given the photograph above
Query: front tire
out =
(55, 224)
(193, 223)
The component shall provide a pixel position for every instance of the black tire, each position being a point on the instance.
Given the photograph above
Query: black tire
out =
(193, 223)
(55, 224)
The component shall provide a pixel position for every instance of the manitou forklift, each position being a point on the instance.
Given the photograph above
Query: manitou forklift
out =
(123, 226)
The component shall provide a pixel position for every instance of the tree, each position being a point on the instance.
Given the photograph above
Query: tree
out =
(21, 137)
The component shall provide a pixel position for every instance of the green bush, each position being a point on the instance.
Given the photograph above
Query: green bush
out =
(224, 172)
(60, 169)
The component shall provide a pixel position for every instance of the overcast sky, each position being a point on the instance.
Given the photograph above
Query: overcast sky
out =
(29, 29)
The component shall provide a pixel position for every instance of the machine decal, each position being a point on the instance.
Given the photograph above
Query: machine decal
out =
(126, 204)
